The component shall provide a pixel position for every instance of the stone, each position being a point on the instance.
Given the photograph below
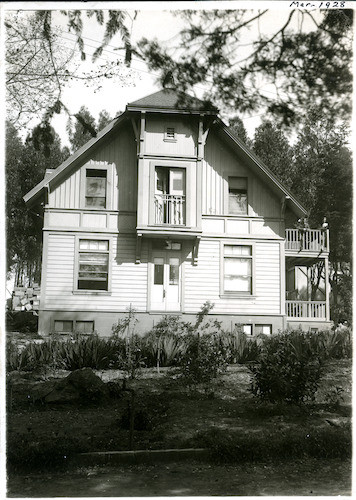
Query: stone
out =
(79, 385)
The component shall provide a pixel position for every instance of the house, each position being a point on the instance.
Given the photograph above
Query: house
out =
(165, 209)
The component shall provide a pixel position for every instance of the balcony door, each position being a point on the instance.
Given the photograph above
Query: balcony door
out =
(166, 281)
(170, 196)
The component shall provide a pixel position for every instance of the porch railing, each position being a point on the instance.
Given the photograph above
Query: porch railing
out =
(305, 309)
(309, 240)
(170, 209)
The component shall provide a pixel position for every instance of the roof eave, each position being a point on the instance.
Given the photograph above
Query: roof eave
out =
(154, 109)
(31, 196)
(289, 196)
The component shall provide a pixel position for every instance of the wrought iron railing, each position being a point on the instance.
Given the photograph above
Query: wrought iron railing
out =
(170, 209)
(306, 309)
(312, 240)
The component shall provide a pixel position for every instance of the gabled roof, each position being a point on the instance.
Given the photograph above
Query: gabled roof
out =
(171, 100)
(75, 157)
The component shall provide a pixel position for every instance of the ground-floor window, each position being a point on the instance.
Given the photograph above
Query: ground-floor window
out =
(237, 269)
(93, 265)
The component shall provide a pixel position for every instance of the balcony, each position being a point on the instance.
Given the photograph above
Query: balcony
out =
(299, 309)
(169, 209)
(313, 241)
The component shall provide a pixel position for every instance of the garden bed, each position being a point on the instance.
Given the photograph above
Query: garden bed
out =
(169, 416)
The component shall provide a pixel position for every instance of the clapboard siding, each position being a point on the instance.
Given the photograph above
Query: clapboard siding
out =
(129, 280)
(220, 163)
(202, 282)
(120, 152)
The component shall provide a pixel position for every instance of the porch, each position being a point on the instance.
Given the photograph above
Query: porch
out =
(306, 310)
(302, 241)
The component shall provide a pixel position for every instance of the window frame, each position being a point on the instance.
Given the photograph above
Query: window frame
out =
(237, 294)
(86, 236)
(166, 137)
(263, 325)
(74, 325)
(83, 185)
(152, 190)
(248, 213)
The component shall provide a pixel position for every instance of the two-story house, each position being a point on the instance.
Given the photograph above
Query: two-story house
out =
(165, 209)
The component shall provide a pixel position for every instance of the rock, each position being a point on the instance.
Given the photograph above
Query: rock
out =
(79, 385)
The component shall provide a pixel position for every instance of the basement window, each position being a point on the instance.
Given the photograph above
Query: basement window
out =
(63, 326)
(264, 329)
(84, 326)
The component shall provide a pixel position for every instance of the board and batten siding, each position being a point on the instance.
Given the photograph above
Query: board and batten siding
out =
(220, 163)
(128, 280)
(120, 152)
(185, 136)
(202, 282)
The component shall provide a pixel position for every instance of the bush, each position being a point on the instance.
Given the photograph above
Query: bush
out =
(288, 369)
(240, 348)
(21, 321)
(203, 360)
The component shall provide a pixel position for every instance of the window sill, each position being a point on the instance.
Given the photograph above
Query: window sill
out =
(91, 292)
(169, 140)
(236, 296)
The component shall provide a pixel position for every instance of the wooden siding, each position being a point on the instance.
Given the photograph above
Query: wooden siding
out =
(120, 152)
(129, 280)
(220, 163)
(202, 282)
(186, 136)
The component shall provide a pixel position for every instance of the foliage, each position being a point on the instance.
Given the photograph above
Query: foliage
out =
(202, 361)
(21, 321)
(238, 446)
(237, 126)
(306, 66)
(33, 357)
(24, 168)
(288, 369)
(240, 349)
(272, 147)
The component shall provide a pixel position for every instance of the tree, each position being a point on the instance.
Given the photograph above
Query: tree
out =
(238, 128)
(25, 167)
(272, 147)
(84, 128)
(323, 183)
(306, 64)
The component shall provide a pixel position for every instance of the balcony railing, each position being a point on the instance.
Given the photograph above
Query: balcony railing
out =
(305, 309)
(307, 240)
(170, 209)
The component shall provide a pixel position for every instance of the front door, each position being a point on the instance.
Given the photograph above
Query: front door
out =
(165, 281)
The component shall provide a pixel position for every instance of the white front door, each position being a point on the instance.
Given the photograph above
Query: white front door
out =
(165, 281)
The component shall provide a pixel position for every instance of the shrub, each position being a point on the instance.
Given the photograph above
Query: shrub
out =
(241, 349)
(87, 352)
(288, 369)
(33, 357)
(203, 360)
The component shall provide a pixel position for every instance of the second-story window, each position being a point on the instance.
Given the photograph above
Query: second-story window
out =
(170, 196)
(95, 188)
(238, 195)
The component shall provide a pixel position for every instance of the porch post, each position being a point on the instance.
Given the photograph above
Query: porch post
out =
(327, 289)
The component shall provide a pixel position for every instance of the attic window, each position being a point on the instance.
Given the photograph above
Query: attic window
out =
(95, 189)
(237, 195)
(170, 134)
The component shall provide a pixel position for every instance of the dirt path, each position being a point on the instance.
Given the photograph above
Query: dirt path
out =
(305, 478)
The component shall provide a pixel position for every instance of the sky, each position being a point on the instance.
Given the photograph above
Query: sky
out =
(151, 21)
